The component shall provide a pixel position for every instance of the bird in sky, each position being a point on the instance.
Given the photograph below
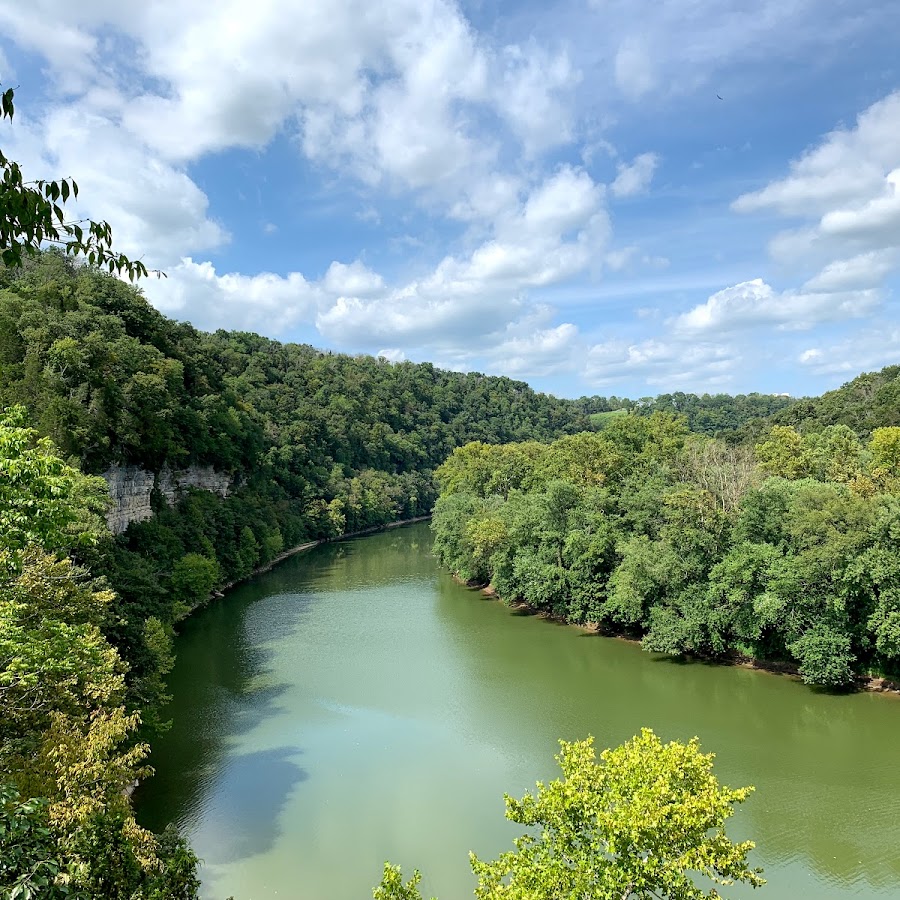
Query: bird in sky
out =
(720, 96)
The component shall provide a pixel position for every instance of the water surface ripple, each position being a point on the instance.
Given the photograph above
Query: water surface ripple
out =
(356, 705)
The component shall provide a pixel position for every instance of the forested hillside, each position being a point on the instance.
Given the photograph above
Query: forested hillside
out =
(717, 415)
(869, 401)
(318, 444)
(786, 553)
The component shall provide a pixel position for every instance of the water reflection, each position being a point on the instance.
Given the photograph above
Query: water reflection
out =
(357, 698)
(825, 796)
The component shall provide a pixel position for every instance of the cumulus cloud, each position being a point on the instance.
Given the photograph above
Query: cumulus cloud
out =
(195, 292)
(755, 304)
(635, 178)
(875, 222)
(866, 270)
(847, 189)
(847, 167)
(532, 95)
(546, 351)
(356, 279)
(158, 213)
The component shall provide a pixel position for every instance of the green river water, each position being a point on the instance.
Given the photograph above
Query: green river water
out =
(356, 704)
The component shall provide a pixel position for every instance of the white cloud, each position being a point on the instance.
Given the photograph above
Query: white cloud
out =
(755, 304)
(356, 279)
(697, 366)
(847, 189)
(269, 303)
(634, 68)
(543, 352)
(635, 178)
(157, 212)
(392, 354)
(876, 222)
(847, 167)
(868, 349)
(531, 95)
(866, 270)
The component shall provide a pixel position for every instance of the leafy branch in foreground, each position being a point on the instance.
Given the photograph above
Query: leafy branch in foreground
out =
(31, 215)
(645, 822)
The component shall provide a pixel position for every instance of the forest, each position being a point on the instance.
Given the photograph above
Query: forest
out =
(784, 551)
(761, 526)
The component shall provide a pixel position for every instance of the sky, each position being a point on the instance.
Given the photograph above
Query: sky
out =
(622, 197)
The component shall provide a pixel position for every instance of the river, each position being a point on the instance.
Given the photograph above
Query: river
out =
(355, 704)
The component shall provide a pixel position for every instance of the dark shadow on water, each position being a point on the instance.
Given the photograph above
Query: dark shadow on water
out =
(251, 791)
(255, 706)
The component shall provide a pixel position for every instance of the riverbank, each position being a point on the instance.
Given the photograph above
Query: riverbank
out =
(344, 684)
(870, 683)
(300, 548)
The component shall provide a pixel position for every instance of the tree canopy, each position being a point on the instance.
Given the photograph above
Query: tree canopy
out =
(645, 821)
(68, 747)
(786, 552)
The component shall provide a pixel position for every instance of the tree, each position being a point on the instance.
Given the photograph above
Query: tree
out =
(638, 823)
(28, 863)
(392, 886)
(825, 655)
(784, 453)
(43, 501)
(31, 215)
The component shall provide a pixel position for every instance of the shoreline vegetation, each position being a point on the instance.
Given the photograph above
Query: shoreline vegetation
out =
(876, 684)
(302, 548)
(784, 551)
(707, 524)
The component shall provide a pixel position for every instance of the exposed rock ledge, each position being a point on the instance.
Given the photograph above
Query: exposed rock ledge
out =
(130, 488)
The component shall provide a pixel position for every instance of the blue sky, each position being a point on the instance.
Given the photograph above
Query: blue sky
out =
(551, 191)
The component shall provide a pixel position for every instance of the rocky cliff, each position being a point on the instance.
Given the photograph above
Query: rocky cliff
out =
(130, 489)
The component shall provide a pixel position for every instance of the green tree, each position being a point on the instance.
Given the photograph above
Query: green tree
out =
(393, 887)
(641, 822)
(784, 453)
(28, 853)
(43, 501)
(825, 655)
(193, 577)
(31, 215)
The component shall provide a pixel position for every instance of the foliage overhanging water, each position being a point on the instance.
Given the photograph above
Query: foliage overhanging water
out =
(356, 705)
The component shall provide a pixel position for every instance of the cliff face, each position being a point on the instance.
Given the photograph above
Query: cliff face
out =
(130, 489)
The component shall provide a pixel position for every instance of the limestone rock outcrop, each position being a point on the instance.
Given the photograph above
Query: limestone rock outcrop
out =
(130, 488)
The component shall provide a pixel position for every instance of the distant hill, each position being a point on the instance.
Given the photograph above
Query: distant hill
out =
(716, 415)
(869, 401)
